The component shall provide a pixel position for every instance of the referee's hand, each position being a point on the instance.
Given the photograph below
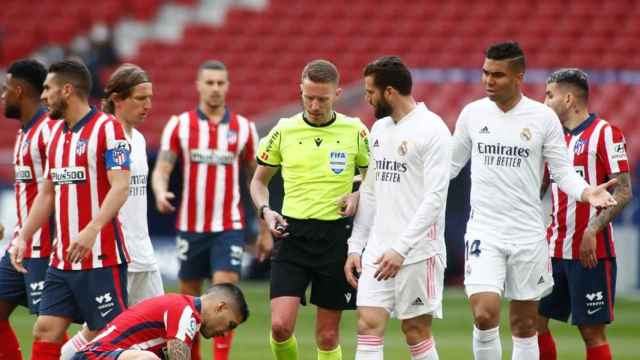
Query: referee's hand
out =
(349, 204)
(277, 224)
(354, 262)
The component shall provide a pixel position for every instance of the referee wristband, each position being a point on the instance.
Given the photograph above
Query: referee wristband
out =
(261, 211)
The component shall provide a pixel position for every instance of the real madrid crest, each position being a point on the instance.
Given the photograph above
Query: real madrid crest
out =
(403, 148)
(525, 134)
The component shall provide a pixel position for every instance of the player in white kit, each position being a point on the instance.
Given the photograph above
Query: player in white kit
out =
(128, 96)
(508, 138)
(397, 244)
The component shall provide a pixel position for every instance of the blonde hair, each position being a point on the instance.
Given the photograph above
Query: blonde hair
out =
(121, 85)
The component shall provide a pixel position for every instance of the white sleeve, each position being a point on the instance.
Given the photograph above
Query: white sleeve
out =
(460, 146)
(436, 170)
(365, 215)
(554, 151)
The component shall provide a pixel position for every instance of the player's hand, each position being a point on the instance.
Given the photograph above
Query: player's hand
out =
(264, 243)
(388, 265)
(81, 245)
(588, 256)
(163, 202)
(599, 197)
(354, 262)
(276, 223)
(16, 254)
(349, 204)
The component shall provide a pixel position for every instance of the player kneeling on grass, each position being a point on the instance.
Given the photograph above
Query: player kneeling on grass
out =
(400, 220)
(165, 326)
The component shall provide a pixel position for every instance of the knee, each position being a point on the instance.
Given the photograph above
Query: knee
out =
(369, 325)
(281, 330)
(47, 331)
(327, 338)
(593, 336)
(523, 326)
(416, 331)
(486, 319)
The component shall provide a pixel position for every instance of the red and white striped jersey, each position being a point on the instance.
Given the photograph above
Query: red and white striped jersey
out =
(29, 156)
(211, 155)
(77, 163)
(597, 150)
(150, 324)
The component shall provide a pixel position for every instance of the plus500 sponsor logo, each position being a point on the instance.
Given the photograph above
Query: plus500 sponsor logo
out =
(68, 175)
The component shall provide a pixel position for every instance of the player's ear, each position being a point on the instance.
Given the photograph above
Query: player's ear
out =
(221, 306)
(338, 92)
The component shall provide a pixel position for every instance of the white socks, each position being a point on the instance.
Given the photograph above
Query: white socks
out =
(72, 346)
(486, 344)
(525, 348)
(424, 350)
(369, 347)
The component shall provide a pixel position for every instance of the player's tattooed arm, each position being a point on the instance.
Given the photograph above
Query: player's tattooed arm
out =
(160, 181)
(178, 350)
(622, 194)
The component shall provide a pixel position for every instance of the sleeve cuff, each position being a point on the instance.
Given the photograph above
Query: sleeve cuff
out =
(401, 248)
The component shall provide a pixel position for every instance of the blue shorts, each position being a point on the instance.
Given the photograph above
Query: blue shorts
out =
(588, 295)
(23, 289)
(97, 355)
(202, 254)
(93, 296)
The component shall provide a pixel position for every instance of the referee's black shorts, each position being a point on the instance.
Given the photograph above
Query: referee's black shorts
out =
(313, 253)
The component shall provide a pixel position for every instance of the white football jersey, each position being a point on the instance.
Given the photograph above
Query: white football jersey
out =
(403, 198)
(508, 151)
(133, 214)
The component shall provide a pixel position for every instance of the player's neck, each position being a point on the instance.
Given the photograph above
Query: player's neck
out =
(509, 103)
(128, 128)
(28, 112)
(404, 106)
(576, 118)
(75, 112)
(214, 114)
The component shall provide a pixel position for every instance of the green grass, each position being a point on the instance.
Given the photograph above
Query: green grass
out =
(453, 334)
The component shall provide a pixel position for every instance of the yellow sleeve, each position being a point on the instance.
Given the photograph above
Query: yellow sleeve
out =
(269, 149)
(362, 158)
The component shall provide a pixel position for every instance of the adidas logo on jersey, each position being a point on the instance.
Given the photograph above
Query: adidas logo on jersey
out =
(376, 143)
(541, 280)
(417, 302)
(484, 130)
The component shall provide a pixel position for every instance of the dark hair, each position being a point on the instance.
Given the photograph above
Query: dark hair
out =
(575, 78)
(509, 51)
(30, 71)
(121, 85)
(75, 73)
(233, 293)
(390, 71)
(213, 65)
(321, 71)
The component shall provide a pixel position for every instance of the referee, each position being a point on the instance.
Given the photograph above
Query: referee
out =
(318, 151)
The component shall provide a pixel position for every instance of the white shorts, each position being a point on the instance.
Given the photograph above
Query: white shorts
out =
(143, 285)
(416, 290)
(515, 271)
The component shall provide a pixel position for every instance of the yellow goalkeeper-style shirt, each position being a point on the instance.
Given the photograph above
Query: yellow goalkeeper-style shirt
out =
(318, 162)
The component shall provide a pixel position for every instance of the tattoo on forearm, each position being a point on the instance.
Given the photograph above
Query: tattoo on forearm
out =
(178, 350)
(622, 194)
(167, 156)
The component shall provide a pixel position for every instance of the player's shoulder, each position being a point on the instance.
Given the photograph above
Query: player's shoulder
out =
(529, 104)
(482, 104)
(137, 137)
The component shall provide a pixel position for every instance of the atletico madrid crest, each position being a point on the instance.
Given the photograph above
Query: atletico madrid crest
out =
(81, 147)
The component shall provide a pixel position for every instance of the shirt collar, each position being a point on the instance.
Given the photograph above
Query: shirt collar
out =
(34, 119)
(580, 128)
(85, 119)
(204, 117)
(197, 302)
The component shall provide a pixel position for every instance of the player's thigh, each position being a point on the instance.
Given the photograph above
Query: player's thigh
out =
(142, 285)
(58, 296)
(485, 265)
(193, 255)
(557, 305)
(529, 272)
(34, 281)
(592, 292)
(373, 293)
(330, 289)
(226, 252)
(101, 294)
(137, 355)
(12, 287)
(419, 288)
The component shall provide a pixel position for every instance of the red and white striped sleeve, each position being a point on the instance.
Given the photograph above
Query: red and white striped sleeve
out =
(251, 147)
(612, 150)
(170, 140)
(181, 323)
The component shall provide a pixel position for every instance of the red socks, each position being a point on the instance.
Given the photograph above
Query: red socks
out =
(600, 352)
(547, 346)
(195, 349)
(45, 350)
(10, 349)
(222, 346)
